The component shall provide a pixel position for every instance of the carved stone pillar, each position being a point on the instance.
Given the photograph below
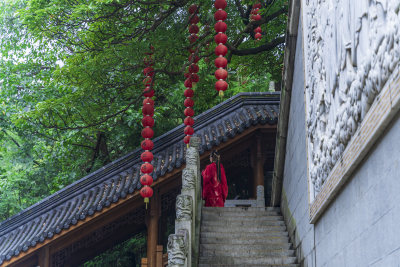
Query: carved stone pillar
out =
(177, 249)
(183, 245)
(152, 218)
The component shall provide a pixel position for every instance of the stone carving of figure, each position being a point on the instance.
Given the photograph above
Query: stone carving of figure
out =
(184, 204)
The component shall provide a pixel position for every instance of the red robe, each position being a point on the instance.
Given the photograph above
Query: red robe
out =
(214, 192)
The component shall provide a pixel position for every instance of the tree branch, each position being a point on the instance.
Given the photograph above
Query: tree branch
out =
(265, 47)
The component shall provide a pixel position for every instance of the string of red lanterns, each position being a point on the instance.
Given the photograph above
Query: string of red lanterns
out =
(221, 50)
(255, 15)
(191, 75)
(147, 133)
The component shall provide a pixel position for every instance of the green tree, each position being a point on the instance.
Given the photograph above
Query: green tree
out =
(71, 80)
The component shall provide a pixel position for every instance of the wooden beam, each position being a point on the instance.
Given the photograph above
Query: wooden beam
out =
(259, 164)
(44, 257)
(152, 227)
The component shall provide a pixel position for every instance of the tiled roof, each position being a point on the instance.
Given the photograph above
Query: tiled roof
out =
(121, 177)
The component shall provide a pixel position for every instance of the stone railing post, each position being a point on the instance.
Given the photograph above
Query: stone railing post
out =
(183, 246)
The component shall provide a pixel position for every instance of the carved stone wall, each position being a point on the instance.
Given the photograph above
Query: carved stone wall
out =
(351, 48)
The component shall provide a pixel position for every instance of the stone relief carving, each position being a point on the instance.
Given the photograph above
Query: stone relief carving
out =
(188, 179)
(351, 48)
(177, 249)
(184, 204)
(191, 156)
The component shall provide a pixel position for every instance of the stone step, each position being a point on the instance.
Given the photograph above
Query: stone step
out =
(244, 240)
(253, 246)
(247, 260)
(217, 217)
(248, 265)
(246, 224)
(236, 209)
(230, 215)
(245, 252)
(237, 229)
(243, 235)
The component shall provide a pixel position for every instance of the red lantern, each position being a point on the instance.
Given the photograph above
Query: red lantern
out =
(220, 15)
(186, 139)
(194, 58)
(148, 92)
(148, 71)
(221, 62)
(147, 144)
(193, 68)
(148, 100)
(189, 121)
(188, 130)
(189, 92)
(221, 50)
(193, 38)
(257, 5)
(221, 74)
(193, 29)
(189, 102)
(193, 9)
(146, 192)
(189, 112)
(148, 110)
(220, 26)
(258, 36)
(256, 17)
(194, 19)
(147, 132)
(146, 168)
(191, 76)
(220, 4)
(147, 121)
(188, 83)
(194, 78)
(146, 179)
(147, 156)
(221, 85)
(221, 38)
(258, 29)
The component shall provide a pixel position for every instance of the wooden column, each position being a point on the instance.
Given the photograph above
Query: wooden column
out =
(44, 257)
(152, 227)
(259, 164)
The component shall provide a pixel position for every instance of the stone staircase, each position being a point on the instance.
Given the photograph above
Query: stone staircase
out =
(236, 236)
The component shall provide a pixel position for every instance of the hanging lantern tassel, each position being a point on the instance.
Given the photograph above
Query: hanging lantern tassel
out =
(221, 50)
(147, 133)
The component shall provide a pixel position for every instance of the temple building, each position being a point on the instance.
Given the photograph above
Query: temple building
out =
(317, 188)
(105, 208)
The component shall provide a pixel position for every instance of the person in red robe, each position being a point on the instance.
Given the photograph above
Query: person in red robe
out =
(215, 188)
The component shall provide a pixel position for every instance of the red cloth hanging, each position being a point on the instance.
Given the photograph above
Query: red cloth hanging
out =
(214, 192)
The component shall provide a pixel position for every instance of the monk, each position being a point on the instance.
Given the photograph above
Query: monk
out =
(215, 188)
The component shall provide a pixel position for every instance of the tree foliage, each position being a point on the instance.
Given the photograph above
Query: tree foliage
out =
(71, 80)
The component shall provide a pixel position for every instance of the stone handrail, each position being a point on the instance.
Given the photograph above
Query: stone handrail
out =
(183, 246)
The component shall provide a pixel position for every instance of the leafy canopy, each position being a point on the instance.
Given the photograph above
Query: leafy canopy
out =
(71, 80)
